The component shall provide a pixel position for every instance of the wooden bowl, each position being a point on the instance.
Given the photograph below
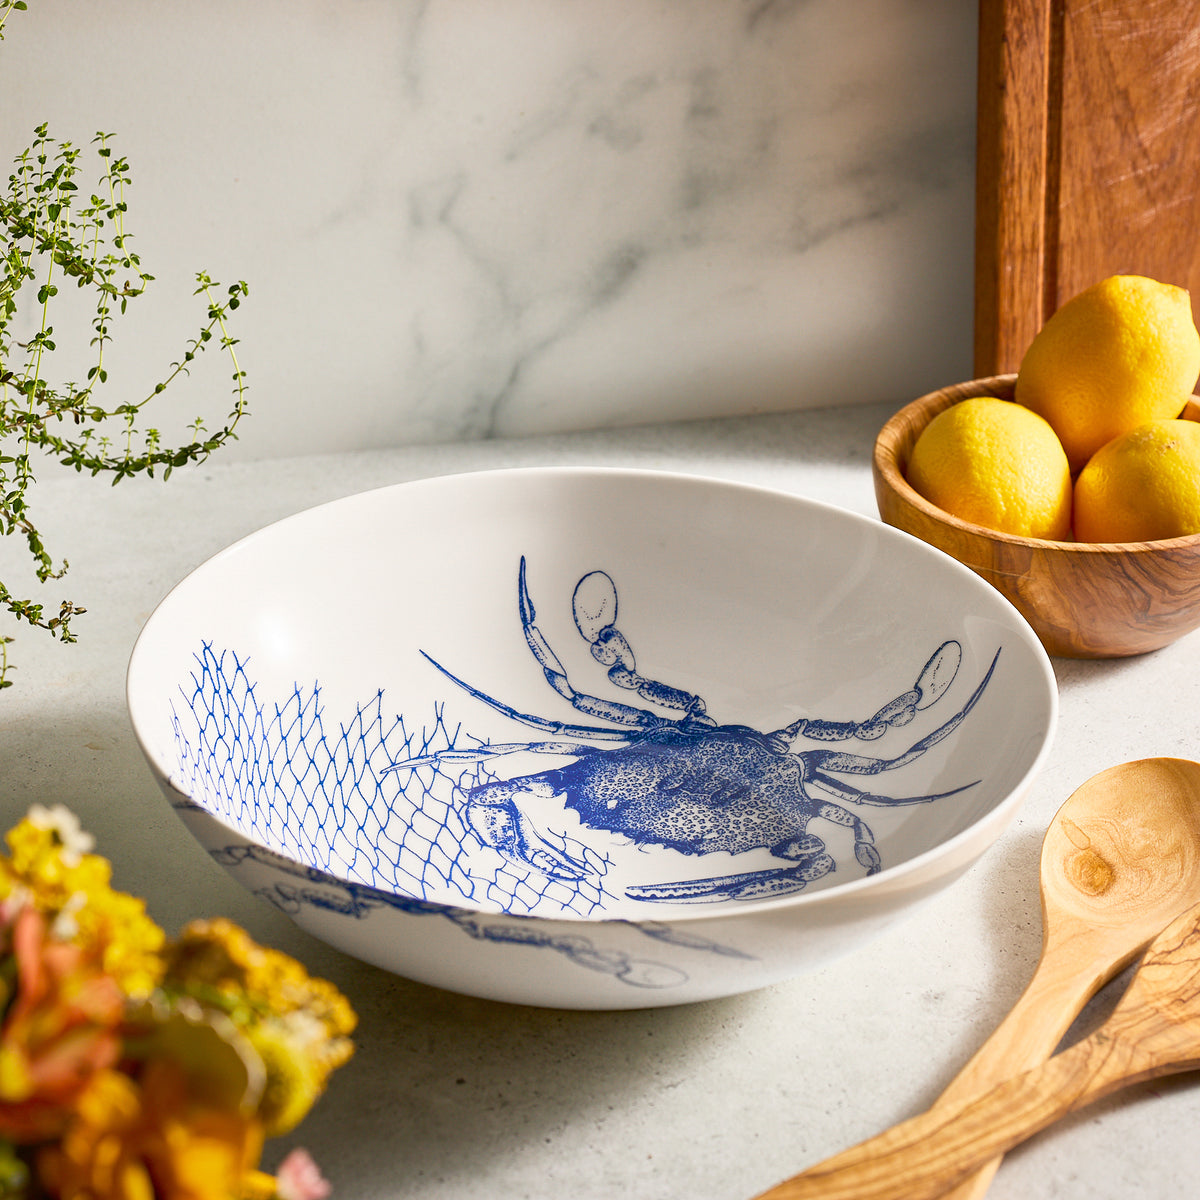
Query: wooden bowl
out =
(1084, 600)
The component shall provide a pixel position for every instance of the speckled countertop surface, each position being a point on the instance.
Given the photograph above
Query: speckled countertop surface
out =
(451, 1097)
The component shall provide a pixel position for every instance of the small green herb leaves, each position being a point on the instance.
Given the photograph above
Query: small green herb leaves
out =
(54, 235)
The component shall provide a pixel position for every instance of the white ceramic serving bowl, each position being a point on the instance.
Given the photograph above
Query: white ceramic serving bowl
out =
(415, 720)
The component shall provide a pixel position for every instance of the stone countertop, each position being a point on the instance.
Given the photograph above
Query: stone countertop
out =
(453, 1097)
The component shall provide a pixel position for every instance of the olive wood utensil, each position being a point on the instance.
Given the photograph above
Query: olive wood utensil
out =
(1120, 859)
(1147, 1035)
(1153, 1031)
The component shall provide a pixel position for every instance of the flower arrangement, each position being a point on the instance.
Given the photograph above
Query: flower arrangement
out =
(134, 1066)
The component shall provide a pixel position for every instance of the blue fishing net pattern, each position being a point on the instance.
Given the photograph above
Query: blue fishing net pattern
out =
(326, 793)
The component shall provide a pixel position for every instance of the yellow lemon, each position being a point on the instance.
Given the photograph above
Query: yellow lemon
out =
(1142, 486)
(996, 464)
(1124, 352)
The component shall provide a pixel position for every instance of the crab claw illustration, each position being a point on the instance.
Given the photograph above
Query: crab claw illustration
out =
(935, 677)
(938, 673)
(594, 605)
(500, 825)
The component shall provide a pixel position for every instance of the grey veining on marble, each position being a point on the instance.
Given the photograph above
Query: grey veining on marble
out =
(463, 219)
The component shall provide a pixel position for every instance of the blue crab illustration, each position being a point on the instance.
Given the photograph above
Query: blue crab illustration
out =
(681, 780)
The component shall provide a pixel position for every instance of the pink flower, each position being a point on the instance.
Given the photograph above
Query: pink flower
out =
(62, 1026)
(299, 1178)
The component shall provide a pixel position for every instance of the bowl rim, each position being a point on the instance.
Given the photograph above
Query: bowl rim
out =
(946, 857)
(887, 466)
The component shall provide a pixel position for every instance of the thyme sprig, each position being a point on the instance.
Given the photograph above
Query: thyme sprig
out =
(54, 235)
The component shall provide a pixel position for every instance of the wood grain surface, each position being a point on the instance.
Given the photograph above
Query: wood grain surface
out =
(1153, 1031)
(1083, 600)
(1088, 140)
(1120, 860)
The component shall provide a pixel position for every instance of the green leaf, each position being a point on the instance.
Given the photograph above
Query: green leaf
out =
(42, 237)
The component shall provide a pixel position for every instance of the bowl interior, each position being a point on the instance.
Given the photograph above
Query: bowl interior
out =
(592, 694)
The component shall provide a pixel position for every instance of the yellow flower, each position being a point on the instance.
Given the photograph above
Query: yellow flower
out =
(132, 942)
(195, 1153)
(220, 954)
(37, 862)
(295, 1078)
(49, 834)
(146, 1140)
(144, 1070)
(51, 866)
(98, 1156)
(299, 1025)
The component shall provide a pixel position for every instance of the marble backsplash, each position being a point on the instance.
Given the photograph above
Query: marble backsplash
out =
(473, 218)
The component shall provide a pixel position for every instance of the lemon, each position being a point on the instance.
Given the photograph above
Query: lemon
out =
(996, 464)
(1142, 486)
(1123, 352)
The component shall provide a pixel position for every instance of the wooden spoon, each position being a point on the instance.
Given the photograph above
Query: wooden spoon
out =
(1119, 860)
(1153, 1031)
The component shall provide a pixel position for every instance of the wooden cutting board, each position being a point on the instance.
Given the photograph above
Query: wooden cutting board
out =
(1088, 157)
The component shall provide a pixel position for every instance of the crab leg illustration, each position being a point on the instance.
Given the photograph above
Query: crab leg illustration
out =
(812, 865)
(668, 774)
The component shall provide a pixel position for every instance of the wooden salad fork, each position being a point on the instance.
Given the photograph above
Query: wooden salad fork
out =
(1153, 1031)
(1119, 860)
